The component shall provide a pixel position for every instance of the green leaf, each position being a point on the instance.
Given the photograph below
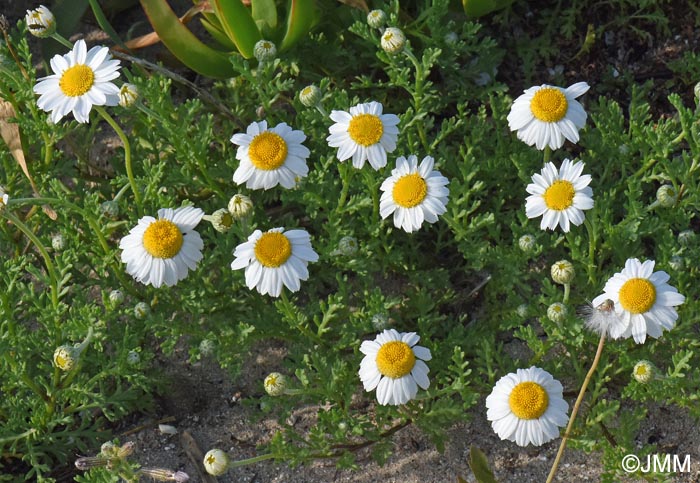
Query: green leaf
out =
(104, 23)
(183, 44)
(238, 24)
(265, 16)
(302, 16)
(213, 26)
(480, 466)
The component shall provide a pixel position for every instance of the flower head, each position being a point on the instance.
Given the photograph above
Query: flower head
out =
(557, 312)
(376, 18)
(128, 95)
(81, 79)
(393, 40)
(310, 95)
(216, 462)
(66, 357)
(644, 371)
(270, 156)
(264, 50)
(559, 196)
(413, 193)
(563, 272)
(221, 220)
(162, 251)
(40, 22)
(394, 366)
(545, 115)
(275, 384)
(239, 206)
(644, 301)
(275, 259)
(527, 407)
(364, 134)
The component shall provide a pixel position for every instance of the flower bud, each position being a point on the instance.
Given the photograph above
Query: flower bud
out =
(141, 310)
(240, 206)
(216, 462)
(526, 243)
(563, 272)
(644, 371)
(162, 474)
(221, 220)
(686, 237)
(557, 312)
(133, 358)
(40, 22)
(66, 357)
(4, 199)
(393, 40)
(110, 208)
(676, 263)
(108, 449)
(376, 19)
(206, 347)
(380, 322)
(667, 196)
(57, 242)
(310, 96)
(347, 246)
(451, 38)
(696, 91)
(116, 297)
(128, 94)
(275, 384)
(522, 310)
(264, 50)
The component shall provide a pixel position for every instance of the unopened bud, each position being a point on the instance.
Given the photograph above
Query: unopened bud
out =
(393, 40)
(347, 246)
(563, 272)
(522, 310)
(667, 196)
(264, 51)
(221, 220)
(526, 243)
(376, 18)
(128, 94)
(557, 312)
(275, 384)
(696, 90)
(161, 474)
(206, 347)
(686, 237)
(116, 297)
(141, 310)
(644, 371)
(380, 321)
(4, 199)
(133, 358)
(110, 208)
(310, 96)
(57, 242)
(216, 462)
(677, 263)
(66, 357)
(40, 22)
(240, 206)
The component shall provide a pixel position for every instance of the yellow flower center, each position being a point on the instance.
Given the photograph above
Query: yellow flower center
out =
(560, 195)
(549, 104)
(641, 370)
(162, 239)
(76, 80)
(637, 295)
(366, 129)
(267, 151)
(409, 190)
(273, 249)
(528, 400)
(395, 359)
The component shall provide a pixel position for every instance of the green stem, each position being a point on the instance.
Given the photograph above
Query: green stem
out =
(590, 268)
(9, 439)
(567, 291)
(574, 411)
(127, 155)
(346, 171)
(288, 309)
(62, 40)
(547, 154)
(418, 94)
(372, 186)
(44, 253)
(320, 109)
(250, 461)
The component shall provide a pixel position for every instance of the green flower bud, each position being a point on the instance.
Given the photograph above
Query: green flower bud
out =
(380, 322)
(696, 91)
(40, 22)
(66, 357)
(310, 96)
(141, 310)
(522, 310)
(686, 237)
(347, 246)
(644, 371)
(526, 243)
(667, 196)
(116, 297)
(133, 358)
(221, 220)
(57, 242)
(216, 462)
(393, 40)
(376, 19)
(206, 347)
(4, 199)
(676, 263)
(275, 384)
(563, 272)
(264, 51)
(557, 312)
(108, 449)
(110, 208)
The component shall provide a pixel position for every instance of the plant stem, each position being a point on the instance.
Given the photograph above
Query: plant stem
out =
(590, 268)
(418, 94)
(345, 176)
(567, 291)
(9, 439)
(62, 40)
(371, 185)
(547, 154)
(251, 461)
(574, 411)
(127, 155)
(50, 268)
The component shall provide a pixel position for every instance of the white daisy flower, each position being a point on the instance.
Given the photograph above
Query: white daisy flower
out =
(274, 259)
(270, 156)
(393, 365)
(545, 115)
(561, 196)
(81, 79)
(644, 302)
(161, 251)
(364, 133)
(413, 193)
(527, 407)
